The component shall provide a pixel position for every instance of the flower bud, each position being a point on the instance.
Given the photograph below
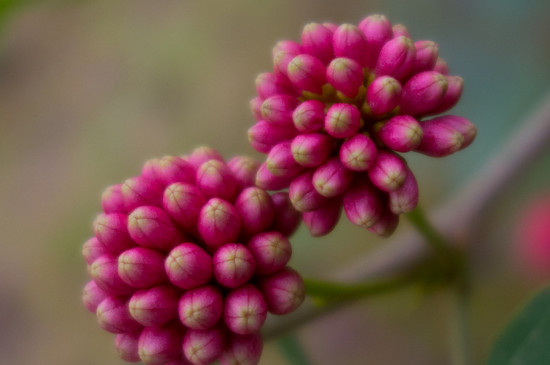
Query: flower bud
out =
(463, 126)
(303, 195)
(452, 96)
(188, 266)
(155, 306)
(141, 267)
(283, 53)
(233, 264)
(111, 200)
(219, 223)
(255, 209)
(92, 295)
(126, 345)
(202, 154)
(396, 58)
(399, 30)
(401, 133)
(110, 229)
(216, 180)
(138, 191)
(104, 270)
(266, 180)
(307, 73)
(440, 139)
(159, 345)
(322, 221)
(203, 347)
(256, 107)
(317, 41)
(201, 308)
(377, 31)
(311, 150)
(346, 75)
(426, 56)
(342, 120)
(405, 199)
(242, 350)
(423, 93)
(244, 170)
(183, 203)
(388, 172)
(245, 310)
(269, 84)
(281, 162)
(283, 291)
(271, 251)
(358, 153)
(332, 178)
(309, 116)
(171, 169)
(92, 249)
(278, 109)
(441, 66)
(113, 316)
(287, 218)
(350, 42)
(362, 204)
(383, 95)
(151, 227)
(386, 224)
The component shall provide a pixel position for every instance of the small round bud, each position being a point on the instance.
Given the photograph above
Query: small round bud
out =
(219, 223)
(113, 316)
(266, 180)
(405, 199)
(281, 162)
(255, 107)
(452, 96)
(439, 138)
(396, 58)
(283, 291)
(111, 230)
(332, 178)
(141, 267)
(112, 201)
(358, 153)
(160, 345)
(171, 169)
(245, 310)
(322, 221)
(242, 350)
(307, 73)
(342, 120)
(309, 116)
(346, 75)
(350, 42)
(388, 172)
(151, 227)
(441, 66)
(202, 347)
(271, 251)
(269, 84)
(317, 41)
(183, 203)
(201, 308)
(188, 266)
(244, 170)
(104, 271)
(401, 133)
(399, 30)
(362, 204)
(138, 191)
(303, 194)
(155, 306)
(126, 345)
(216, 180)
(423, 93)
(463, 126)
(311, 150)
(233, 265)
(426, 56)
(202, 154)
(287, 218)
(377, 30)
(92, 295)
(255, 209)
(283, 53)
(92, 249)
(386, 224)
(383, 95)
(278, 109)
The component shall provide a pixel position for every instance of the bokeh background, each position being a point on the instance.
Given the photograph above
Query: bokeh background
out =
(90, 89)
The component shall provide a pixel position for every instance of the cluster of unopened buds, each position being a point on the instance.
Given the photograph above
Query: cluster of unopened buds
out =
(336, 111)
(188, 258)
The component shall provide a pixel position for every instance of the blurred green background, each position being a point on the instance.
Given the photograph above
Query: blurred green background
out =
(90, 89)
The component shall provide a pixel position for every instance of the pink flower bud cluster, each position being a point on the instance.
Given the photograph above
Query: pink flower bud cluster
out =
(188, 258)
(338, 109)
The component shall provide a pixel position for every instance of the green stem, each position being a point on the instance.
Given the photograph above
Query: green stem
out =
(293, 350)
(460, 329)
(433, 237)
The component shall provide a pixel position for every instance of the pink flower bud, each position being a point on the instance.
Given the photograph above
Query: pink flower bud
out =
(219, 223)
(283, 53)
(154, 307)
(256, 107)
(141, 267)
(309, 116)
(233, 265)
(188, 266)
(113, 316)
(244, 170)
(346, 75)
(440, 138)
(283, 291)
(201, 308)
(311, 150)
(287, 218)
(317, 41)
(396, 58)
(245, 310)
(171, 169)
(202, 154)
(110, 229)
(278, 109)
(426, 56)
(159, 345)
(266, 180)
(383, 95)
(263, 135)
(377, 30)
(280, 161)
(401, 133)
(452, 96)
(138, 191)
(256, 210)
(342, 120)
(151, 227)
(308, 73)
(183, 203)
(92, 295)
(271, 251)
(463, 126)
(303, 195)
(92, 249)
(203, 347)
(423, 93)
(126, 345)
(350, 42)
(358, 153)
(386, 225)
(362, 203)
(216, 180)
(405, 199)
(399, 30)
(111, 200)
(242, 350)
(441, 66)
(104, 270)
(388, 172)
(332, 178)
(322, 221)
(269, 84)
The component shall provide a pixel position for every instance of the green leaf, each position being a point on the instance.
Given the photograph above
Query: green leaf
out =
(526, 339)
